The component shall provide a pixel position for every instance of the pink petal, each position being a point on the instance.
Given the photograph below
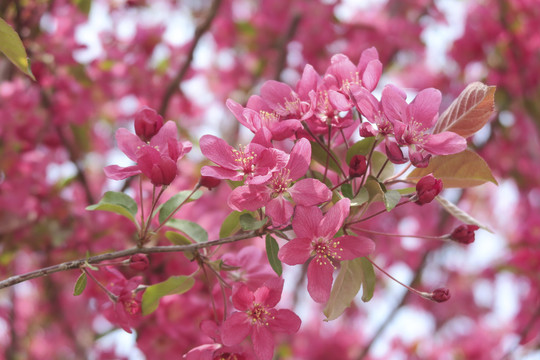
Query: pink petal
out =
(308, 192)
(339, 101)
(242, 298)
(263, 343)
(284, 129)
(280, 211)
(235, 329)
(218, 151)
(425, 107)
(445, 143)
(285, 321)
(276, 94)
(129, 143)
(308, 82)
(221, 173)
(299, 159)
(306, 221)
(372, 74)
(393, 103)
(353, 246)
(366, 57)
(237, 111)
(249, 197)
(334, 218)
(269, 294)
(320, 275)
(296, 251)
(366, 103)
(116, 172)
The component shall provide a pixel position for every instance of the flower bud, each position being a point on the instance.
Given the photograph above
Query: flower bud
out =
(394, 153)
(357, 166)
(440, 295)
(139, 262)
(147, 123)
(164, 172)
(464, 234)
(209, 182)
(427, 188)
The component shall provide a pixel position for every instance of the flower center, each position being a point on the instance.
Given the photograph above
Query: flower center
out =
(326, 251)
(280, 182)
(268, 118)
(259, 315)
(245, 159)
(414, 133)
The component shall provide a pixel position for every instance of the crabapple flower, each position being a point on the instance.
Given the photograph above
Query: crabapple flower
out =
(147, 123)
(258, 318)
(253, 163)
(157, 159)
(315, 238)
(276, 193)
(427, 189)
(412, 123)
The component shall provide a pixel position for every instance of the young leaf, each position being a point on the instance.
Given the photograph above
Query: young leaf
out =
(320, 155)
(378, 160)
(361, 198)
(170, 205)
(469, 112)
(173, 285)
(391, 199)
(117, 202)
(347, 191)
(361, 147)
(374, 189)
(345, 288)
(272, 249)
(461, 170)
(177, 239)
(368, 279)
(248, 222)
(191, 229)
(12, 46)
(460, 214)
(80, 285)
(231, 224)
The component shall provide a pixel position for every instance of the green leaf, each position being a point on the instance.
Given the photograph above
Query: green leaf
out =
(374, 189)
(361, 198)
(117, 202)
(378, 160)
(272, 249)
(248, 222)
(406, 191)
(80, 285)
(391, 199)
(320, 155)
(347, 191)
(177, 239)
(368, 279)
(12, 46)
(173, 285)
(231, 224)
(191, 229)
(345, 288)
(461, 170)
(83, 5)
(170, 205)
(362, 147)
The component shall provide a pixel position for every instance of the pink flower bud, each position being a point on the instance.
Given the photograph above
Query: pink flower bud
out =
(209, 182)
(147, 123)
(357, 166)
(394, 153)
(464, 234)
(440, 295)
(139, 262)
(427, 188)
(164, 172)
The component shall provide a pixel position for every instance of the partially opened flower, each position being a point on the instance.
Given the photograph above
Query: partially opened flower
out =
(315, 240)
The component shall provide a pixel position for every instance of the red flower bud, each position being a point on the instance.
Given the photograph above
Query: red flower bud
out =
(464, 234)
(440, 295)
(209, 182)
(357, 166)
(427, 188)
(139, 262)
(164, 172)
(147, 123)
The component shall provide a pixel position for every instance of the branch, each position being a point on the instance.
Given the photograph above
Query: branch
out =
(199, 32)
(76, 264)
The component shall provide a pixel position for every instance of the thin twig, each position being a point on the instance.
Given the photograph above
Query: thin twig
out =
(199, 32)
(75, 264)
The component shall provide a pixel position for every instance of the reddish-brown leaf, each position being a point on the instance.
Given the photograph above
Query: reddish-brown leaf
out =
(469, 112)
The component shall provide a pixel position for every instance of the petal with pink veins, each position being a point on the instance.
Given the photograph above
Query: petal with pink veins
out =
(308, 192)
(320, 275)
(334, 218)
(306, 221)
(235, 329)
(296, 251)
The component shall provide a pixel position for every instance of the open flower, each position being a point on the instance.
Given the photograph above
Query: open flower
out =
(315, 238)
(258, 318)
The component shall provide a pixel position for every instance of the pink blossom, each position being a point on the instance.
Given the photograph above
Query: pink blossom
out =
(412, 123)
(253, 163)
(258, 318)
(315, 238)
(276, 193)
